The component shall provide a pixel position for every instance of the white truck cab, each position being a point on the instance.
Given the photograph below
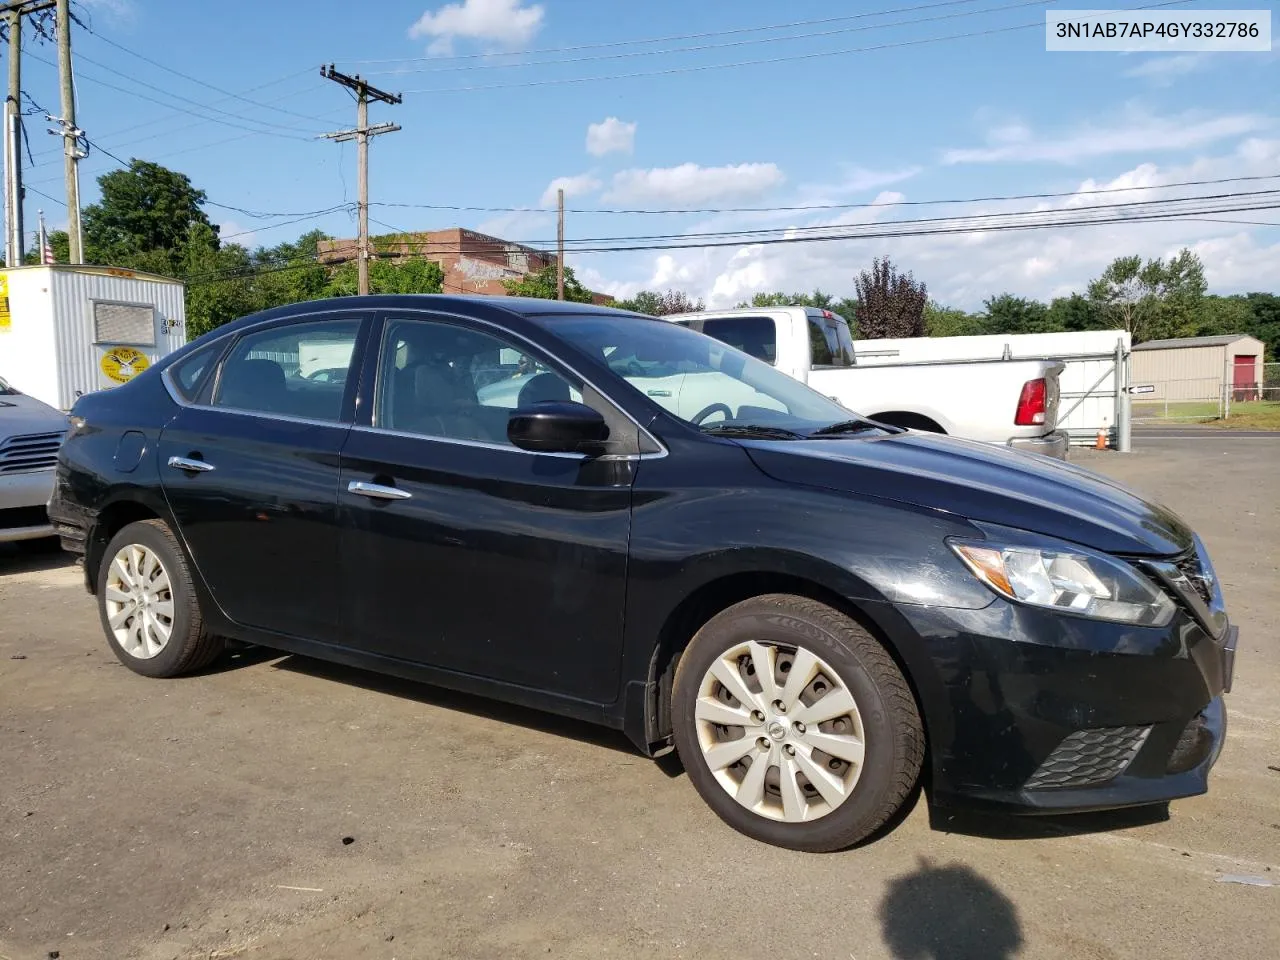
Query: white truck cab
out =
(1009, 402)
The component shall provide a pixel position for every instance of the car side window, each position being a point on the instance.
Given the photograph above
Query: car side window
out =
(756, 336)
(189, 374)
(299, 370)
(442, 380)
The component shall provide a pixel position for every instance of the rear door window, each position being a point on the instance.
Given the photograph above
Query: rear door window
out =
(830, 344)
(299, 370)
(756, 336)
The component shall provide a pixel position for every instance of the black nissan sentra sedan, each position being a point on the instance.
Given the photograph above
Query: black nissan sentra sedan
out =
(616, 518)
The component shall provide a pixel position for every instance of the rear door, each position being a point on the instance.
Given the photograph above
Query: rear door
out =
(251, 472)
(463, 552)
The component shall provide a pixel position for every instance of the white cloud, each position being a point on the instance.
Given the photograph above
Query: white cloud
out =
(1133, 133)
(1164, 68)
(611, 135)
(118, 9)
(575, 186)
(690, 184)
(505, 22)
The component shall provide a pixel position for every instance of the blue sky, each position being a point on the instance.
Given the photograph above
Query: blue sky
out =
(486, 123)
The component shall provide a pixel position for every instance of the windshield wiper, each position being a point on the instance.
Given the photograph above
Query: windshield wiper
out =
(846, 427)
(751, 430)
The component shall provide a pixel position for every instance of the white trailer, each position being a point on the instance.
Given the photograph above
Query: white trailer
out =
(71, 330)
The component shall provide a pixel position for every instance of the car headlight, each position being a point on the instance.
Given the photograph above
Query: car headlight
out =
(1086, 584)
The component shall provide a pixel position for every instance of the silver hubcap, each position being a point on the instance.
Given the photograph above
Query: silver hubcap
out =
(139, 601)
(780, 731)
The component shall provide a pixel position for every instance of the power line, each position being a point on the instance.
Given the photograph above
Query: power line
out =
(667, 39)
(142, 96)
(828, 206)
(926, 230)
(791, 58)
(732, 43)
(204, 83)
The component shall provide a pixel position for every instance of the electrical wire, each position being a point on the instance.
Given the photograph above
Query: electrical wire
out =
(791, 58)
(825, 206)
(668, 39)
(204, 83)
(724, 45)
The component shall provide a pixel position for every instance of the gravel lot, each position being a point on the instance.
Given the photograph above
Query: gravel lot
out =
(281, 808)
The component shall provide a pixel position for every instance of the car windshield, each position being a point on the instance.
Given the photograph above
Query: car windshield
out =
(699, 379)
(6, 390)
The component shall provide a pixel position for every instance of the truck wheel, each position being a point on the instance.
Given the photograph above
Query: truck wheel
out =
(795, 725)
(148, 605)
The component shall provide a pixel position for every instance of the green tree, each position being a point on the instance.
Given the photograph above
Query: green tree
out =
(1266, 321)
(144, 218)
(1008, 314)
(219, 281)
(661, 304)
(543, 285)
(890, 304)
(1075, 313)
(1154, 299)
(940, 321)
(388, 276)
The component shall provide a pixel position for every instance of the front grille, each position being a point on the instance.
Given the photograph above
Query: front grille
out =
(1191, 568)
(1192, 746)
(33, 451)
(1089, 757)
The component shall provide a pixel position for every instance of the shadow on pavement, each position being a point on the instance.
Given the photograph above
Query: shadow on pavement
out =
(30, 556)
(948, 913)
(467, 703)
(995, 826)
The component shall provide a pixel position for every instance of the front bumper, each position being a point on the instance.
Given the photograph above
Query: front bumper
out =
(1034, 712)
(23, 497)
(1050, 445)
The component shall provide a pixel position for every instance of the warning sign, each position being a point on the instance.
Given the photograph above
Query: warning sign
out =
(122, 364)
(5, 322)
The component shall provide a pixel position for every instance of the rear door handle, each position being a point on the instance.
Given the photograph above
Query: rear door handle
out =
(377, 491)
(186, 463)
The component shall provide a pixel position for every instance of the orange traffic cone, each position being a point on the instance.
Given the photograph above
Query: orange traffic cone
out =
(1101, 442)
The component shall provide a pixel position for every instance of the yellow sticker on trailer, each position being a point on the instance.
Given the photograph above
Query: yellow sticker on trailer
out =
(122, 364)
(6, 323)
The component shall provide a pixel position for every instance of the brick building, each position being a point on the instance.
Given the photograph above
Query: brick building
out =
(472, 262)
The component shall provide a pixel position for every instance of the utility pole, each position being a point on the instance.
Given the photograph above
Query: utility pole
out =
(361, 134)
(560, 244)
(70, 133)
(13, 142)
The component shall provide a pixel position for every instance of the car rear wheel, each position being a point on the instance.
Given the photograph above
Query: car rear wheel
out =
(795, 725)
(148, 605)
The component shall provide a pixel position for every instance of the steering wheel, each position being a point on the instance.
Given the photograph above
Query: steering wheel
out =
(708, 410)
(634, 369)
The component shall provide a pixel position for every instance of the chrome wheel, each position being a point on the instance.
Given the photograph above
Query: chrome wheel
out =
(139, 602)
(780, 731)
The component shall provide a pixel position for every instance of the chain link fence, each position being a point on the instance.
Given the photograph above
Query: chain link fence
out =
(1207, 398)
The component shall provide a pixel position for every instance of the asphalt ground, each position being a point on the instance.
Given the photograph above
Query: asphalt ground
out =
(277, 807)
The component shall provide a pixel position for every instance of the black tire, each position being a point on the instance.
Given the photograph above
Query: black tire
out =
(893, 733)
(190, 647)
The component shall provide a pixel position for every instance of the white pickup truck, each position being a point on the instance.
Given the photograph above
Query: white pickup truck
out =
(1009, 402)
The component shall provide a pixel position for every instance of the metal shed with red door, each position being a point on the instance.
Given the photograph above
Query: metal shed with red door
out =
(1200, 368)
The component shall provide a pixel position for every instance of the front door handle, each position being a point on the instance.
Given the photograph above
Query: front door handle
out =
(377, 491)
(194, 466)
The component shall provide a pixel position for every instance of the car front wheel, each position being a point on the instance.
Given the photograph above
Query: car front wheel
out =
(148, 604)
(795, 725)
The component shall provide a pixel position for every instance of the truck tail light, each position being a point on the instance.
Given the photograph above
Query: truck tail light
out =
(1031, 404)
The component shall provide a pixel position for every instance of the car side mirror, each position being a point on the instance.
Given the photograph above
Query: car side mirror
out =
(554, 426)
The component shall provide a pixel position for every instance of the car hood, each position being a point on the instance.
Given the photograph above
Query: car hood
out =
(20, 414)
(982, 482)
